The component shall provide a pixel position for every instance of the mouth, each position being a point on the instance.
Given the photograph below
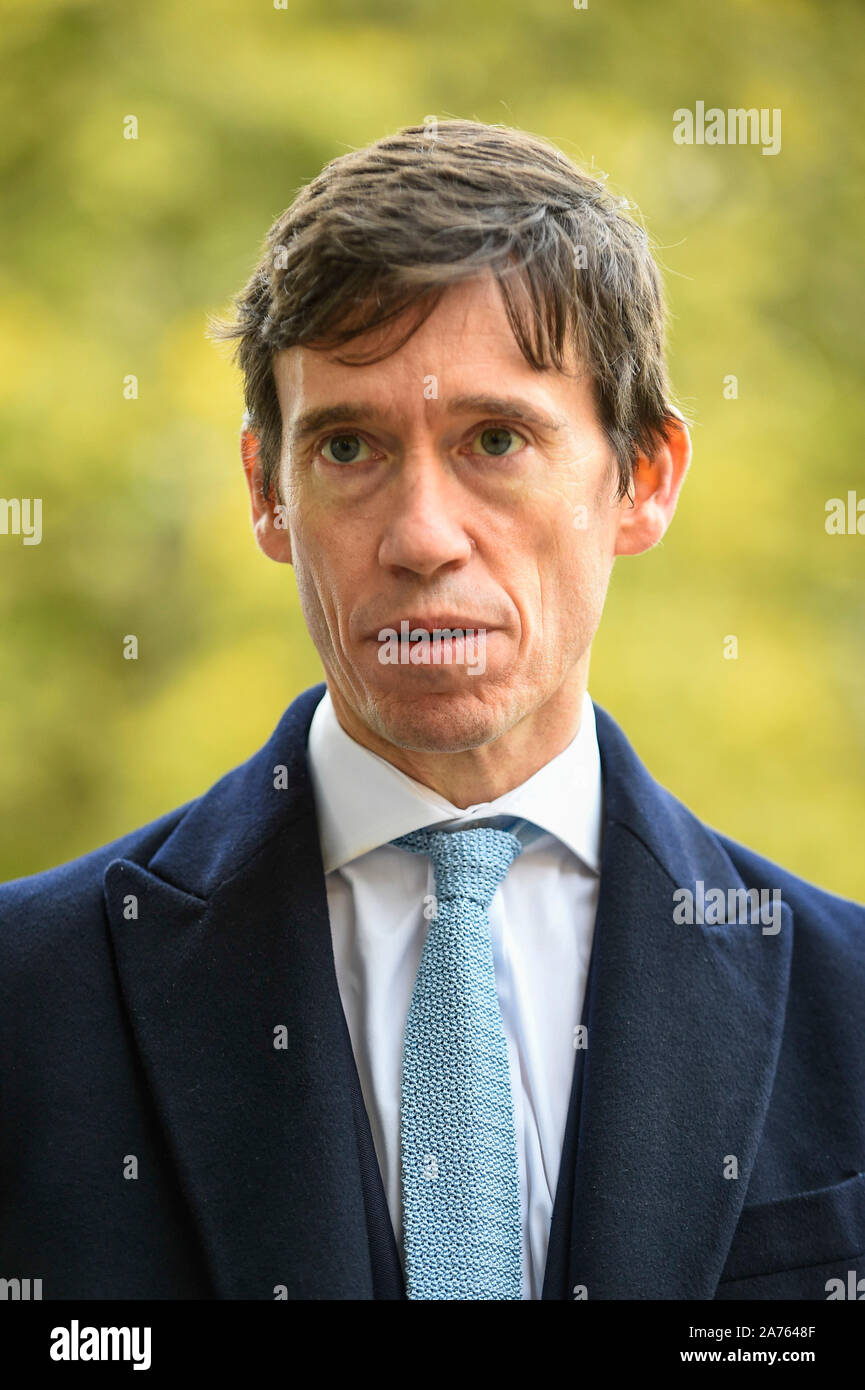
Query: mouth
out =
(434, 641)
(416, 629)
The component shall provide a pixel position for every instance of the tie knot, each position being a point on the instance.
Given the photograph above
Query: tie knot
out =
(467, 863)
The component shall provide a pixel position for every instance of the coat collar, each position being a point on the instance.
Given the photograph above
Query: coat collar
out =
(232, 942)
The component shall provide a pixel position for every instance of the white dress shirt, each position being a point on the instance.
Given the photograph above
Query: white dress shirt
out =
(541, 922)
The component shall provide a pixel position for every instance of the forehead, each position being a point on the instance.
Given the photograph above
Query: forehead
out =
(466, 346)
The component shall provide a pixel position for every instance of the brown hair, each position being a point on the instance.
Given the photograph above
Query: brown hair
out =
(388, 228)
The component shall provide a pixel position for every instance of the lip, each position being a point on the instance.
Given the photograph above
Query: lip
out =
(432, 622)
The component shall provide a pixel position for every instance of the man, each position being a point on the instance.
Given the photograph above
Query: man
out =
(440, 995)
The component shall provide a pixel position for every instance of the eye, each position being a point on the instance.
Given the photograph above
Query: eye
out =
(346, 448)
(497, 440)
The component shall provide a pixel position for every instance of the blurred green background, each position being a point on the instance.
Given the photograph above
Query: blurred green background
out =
(116, 250)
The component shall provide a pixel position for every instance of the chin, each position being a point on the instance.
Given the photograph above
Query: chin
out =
(442, 720)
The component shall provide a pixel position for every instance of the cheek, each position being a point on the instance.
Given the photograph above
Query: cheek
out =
(573, 574)
(309, 536)
(329, 569)
(311, 562)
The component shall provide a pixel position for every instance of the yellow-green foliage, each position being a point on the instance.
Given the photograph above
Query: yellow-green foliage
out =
(117, 249)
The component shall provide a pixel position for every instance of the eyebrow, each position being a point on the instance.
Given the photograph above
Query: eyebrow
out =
(311, 421)
(514, 407)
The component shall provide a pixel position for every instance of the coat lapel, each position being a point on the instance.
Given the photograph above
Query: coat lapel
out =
(229, 954)
(684, 1029)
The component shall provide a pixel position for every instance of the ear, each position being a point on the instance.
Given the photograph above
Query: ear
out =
(269, 517)
(655, 492)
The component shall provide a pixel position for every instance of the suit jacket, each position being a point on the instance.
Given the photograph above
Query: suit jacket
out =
(181, 1112)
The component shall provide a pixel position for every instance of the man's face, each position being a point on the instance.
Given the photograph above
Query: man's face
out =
(449, 485)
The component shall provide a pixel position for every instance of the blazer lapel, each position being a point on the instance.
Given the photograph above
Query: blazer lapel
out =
(223, 950)
(684, 1029)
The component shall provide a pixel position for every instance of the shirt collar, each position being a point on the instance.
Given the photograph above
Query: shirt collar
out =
(363, 801)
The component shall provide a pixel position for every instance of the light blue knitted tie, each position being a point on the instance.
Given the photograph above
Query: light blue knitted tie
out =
(460, 1178)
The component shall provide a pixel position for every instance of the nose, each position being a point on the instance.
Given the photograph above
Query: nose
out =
(423, 530)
